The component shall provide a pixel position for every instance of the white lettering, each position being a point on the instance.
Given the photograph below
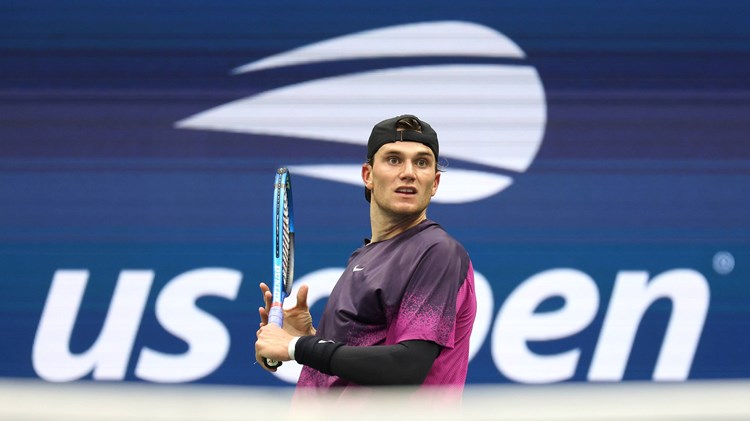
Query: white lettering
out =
(631, 297)
(517, 324)
(108, 356)
(207, 337)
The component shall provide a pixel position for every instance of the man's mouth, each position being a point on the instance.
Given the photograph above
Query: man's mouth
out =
(406, 190)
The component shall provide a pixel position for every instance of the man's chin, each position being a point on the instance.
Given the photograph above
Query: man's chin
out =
(406, 209)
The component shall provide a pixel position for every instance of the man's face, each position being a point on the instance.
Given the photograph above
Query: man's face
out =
(403, 178)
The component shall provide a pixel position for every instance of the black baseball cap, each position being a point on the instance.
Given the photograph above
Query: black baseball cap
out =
(386, 132)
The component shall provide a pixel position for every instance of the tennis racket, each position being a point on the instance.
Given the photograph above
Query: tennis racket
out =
(283, 249)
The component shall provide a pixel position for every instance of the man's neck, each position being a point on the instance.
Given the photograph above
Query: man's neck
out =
(386, 227)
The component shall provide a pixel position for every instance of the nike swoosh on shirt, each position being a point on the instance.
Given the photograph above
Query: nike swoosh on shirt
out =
(357, 268)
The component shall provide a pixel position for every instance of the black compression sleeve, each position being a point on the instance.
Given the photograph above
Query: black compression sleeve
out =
(315, 352)
(406, 363)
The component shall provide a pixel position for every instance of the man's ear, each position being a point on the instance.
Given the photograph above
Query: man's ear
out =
(367, 175)
(435, 184)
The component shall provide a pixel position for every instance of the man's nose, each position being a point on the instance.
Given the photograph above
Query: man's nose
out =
(407, 170)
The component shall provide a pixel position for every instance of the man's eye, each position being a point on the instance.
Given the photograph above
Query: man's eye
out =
(422, 163)
(392, 160)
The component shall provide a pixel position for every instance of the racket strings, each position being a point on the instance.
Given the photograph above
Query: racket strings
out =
(285, 240)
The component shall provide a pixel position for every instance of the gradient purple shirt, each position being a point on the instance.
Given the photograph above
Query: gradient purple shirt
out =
(417, 285)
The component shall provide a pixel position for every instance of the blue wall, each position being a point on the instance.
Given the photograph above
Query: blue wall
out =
(643, 167)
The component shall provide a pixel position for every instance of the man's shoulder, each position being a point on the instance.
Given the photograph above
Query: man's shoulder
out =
(435, 238)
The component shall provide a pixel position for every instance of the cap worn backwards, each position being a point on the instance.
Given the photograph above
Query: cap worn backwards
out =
(387, 132)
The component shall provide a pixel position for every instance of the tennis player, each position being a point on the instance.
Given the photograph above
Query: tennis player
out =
(403, 310)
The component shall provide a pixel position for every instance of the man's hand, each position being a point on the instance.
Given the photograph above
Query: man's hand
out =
(272, 343)
(297, 320)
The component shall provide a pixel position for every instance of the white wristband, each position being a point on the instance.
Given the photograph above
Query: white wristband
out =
(292, 345)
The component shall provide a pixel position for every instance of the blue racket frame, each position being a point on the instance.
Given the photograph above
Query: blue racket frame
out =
(283, 213)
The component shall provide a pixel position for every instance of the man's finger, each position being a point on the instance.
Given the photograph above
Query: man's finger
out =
(264, 290)
(262, 362)
(260, 358)
(302, 297)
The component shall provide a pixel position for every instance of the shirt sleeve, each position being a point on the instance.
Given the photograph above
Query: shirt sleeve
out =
(427, 310)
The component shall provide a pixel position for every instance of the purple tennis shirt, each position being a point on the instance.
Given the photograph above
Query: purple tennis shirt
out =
(417, 285)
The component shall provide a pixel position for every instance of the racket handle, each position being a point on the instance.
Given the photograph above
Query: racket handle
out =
(275, 316)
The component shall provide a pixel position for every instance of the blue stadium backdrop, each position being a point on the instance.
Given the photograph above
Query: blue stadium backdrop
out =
(597, 171)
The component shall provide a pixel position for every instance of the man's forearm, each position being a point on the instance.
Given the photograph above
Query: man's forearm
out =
(405, 363)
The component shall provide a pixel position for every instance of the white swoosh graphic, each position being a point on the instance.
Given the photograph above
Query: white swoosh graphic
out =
(456, 186)
(483, 113)
(488, 114)
(447, 38)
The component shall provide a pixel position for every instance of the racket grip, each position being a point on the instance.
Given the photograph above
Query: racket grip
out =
(275, 316)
